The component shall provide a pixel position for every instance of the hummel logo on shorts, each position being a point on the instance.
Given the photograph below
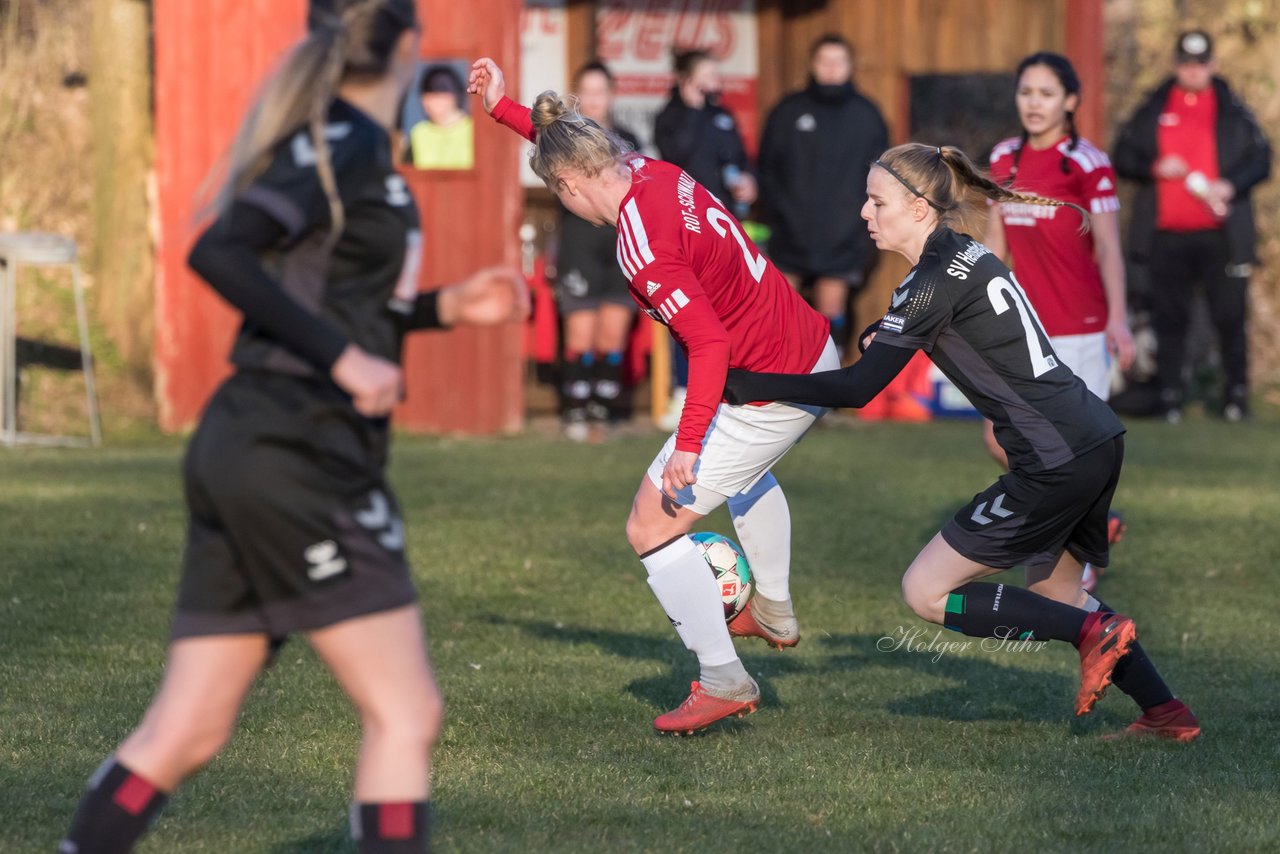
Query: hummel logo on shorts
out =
(325, 560)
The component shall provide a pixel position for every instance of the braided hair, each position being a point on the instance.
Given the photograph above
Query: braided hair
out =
(1066, 74)
(945, 177)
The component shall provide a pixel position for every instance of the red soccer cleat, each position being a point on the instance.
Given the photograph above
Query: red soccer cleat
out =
(745, 625)
(1171, 720)
(702, 709)
(1115, 527)
(1104, 640)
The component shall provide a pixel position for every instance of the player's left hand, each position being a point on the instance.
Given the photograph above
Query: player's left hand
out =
(1120, 342)
(678, 473)
(494, 295)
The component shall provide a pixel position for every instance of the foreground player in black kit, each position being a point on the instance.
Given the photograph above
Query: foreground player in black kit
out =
(962, 306)
(292, 526)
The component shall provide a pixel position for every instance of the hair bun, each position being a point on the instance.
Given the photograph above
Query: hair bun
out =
(548, 108)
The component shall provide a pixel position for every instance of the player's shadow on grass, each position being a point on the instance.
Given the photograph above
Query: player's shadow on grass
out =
(661, 692)
(976, 687)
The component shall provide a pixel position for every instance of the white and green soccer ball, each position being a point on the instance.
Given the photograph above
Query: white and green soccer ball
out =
(729, 566)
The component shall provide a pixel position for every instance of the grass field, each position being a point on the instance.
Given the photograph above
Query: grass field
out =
(554, 658)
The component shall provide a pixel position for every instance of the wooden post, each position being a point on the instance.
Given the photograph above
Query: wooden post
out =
(120, 113)
(1084, 26)
(659, 372)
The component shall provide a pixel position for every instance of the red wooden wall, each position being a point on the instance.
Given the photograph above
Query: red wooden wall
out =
(209, 57)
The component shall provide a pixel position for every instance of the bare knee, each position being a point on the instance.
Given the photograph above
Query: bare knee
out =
(645, 534)
(413, 724)
(925, 604)
(175, 748)
(636, 533)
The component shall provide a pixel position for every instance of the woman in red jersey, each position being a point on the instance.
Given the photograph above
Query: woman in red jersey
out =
(1075, 279)
(690, 266)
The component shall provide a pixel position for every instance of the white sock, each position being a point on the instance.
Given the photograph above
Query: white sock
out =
(763, 523)
(688, 592)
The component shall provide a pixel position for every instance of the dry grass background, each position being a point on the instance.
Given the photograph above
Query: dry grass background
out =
(46, 184)
(46, 137)
(1139, 43)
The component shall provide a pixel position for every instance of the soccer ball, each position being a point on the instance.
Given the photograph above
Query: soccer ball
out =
(730, 568)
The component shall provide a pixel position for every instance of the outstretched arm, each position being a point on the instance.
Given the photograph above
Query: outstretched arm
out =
(854, 386)
(485, 298)
(487, 81)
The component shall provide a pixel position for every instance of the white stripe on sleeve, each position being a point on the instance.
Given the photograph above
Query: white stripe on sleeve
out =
(637, 230)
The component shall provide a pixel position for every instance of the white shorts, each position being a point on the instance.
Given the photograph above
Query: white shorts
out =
(742, 444)
(1087, 357)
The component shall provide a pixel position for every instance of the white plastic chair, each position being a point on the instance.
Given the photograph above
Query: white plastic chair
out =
(42, 250)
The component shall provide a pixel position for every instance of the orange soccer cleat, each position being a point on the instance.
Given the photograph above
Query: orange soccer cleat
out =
(1104, 640)
(702, 708)
(1171, 720)
(745, 625)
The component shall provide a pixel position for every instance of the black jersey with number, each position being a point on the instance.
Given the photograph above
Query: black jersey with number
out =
(363, 283)
(964, 307)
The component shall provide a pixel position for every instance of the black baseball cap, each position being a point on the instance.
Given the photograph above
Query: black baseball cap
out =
(1194, 46)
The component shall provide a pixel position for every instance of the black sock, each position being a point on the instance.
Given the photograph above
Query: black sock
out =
(1136, 676)
(114, 813)
(392, 828)
(575, 386)
(980, 609)
(606, 384)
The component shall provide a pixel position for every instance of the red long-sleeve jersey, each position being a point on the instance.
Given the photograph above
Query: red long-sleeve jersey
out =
(692, 268)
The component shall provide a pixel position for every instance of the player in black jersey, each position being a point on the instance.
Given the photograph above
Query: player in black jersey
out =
(591, 290)
(962, 306)
(292, 526)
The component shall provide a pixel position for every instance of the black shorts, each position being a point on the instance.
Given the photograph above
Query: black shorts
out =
(587, 272)
(1027, 519)
(292, 527)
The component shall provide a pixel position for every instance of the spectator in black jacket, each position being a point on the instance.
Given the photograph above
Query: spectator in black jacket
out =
(695, 132)
(817, 148)
(1196, 151)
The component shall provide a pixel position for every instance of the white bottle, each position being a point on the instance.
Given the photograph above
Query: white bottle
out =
(1197, 184)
